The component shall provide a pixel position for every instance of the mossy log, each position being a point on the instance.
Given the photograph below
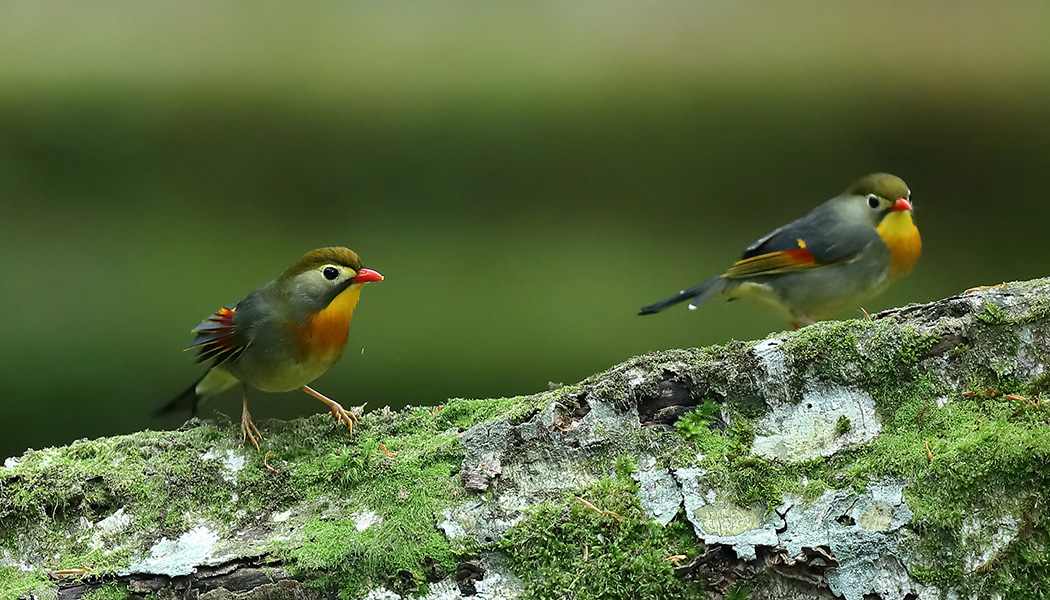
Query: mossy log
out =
(905, 456)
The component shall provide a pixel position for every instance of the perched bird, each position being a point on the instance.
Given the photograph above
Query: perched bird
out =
(281, 336)
(840, 254)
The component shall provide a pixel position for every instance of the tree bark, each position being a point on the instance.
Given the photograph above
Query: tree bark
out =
(899, 457)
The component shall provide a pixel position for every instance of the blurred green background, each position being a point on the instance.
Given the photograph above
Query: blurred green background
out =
(526, 175)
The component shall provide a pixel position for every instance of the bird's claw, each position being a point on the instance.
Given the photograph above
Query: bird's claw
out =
(249, 432)
(342, 415)
(339, 413)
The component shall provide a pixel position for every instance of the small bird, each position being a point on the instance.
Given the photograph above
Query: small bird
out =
(840, 254)
(281, 336)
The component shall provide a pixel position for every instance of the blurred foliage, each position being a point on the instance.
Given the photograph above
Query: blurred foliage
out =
(525, 175)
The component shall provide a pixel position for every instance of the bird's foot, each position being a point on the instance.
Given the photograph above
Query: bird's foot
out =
(339, 413)
(344, 416)
(249, 432)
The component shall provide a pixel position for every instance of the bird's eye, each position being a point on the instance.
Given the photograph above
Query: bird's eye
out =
(873, 201)
(330, 273)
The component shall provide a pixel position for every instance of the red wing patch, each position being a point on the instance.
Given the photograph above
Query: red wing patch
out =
(215, 338)
(773, 262)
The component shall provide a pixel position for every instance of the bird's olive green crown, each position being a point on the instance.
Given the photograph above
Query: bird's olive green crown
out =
(882, 185)
(324, 256)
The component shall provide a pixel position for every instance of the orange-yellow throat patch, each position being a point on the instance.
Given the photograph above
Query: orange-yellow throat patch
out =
(326, 329)
(899, 232)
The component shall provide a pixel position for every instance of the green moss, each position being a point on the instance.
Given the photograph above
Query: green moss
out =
(565, 549)
(406, 487)
(624, 466)
(465, 413)
(695, 425)
(14, 583)
(728, 462)
(164, 477)
(1040, 384)
(107, 592)
(1023, 571)
(153, 476)
(981, 445)
(722, 445)
(842, 426)
(834, 341)
(757, 481)
(813, 489)
(993, 315)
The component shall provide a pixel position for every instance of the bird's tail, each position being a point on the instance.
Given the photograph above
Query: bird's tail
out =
(187, 399)
(698, 294)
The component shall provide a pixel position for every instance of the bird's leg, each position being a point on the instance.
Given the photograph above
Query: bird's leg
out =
(338, 412)
(248, 429)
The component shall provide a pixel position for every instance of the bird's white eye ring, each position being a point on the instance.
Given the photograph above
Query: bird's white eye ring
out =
(330, 273)
(873, 201)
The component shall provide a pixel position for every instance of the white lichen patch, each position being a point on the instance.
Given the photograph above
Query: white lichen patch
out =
(771, 357)
(482, 521)
(231, 462)
(862, 532)
(497, 583)
(112, 526)
(9, 559)
(635, 378)
(555, 458)
(658, 492)
(809, 429)
(178, 557)
(717, 521)
(799, 431)
(1027, 363)
(365, 519)
(986, 537)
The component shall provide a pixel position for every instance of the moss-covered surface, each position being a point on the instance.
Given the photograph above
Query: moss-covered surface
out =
(607, 549)
(968, 430)
(961, 399)
(108, 592)
(400, 467)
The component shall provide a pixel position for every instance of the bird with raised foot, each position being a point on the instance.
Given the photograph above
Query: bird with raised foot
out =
(281, 336)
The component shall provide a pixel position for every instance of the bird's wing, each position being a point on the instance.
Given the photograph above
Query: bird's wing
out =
(813, 241)
(219, 337)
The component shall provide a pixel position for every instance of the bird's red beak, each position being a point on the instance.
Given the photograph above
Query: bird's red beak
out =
(366, 275)
(901, 204)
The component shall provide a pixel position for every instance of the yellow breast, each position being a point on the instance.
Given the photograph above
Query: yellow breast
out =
(899, 233)
(324, 334)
